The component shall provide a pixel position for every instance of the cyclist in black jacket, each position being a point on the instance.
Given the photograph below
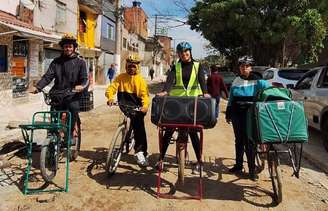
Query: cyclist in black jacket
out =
(69, 72)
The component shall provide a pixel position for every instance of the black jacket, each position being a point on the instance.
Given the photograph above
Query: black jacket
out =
(67, 73)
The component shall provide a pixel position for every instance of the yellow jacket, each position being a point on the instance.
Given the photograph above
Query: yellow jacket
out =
(131, 90)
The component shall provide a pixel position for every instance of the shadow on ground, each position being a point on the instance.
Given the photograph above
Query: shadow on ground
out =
(145, 179)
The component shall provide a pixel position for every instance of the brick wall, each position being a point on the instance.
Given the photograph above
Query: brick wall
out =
(166, 41)
(136, 21)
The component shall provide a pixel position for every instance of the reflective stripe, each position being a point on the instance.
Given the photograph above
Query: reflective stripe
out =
(193, 88)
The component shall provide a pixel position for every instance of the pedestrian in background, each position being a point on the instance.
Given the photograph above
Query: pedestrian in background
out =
(216, 86)
(111, 72)
(151, 73)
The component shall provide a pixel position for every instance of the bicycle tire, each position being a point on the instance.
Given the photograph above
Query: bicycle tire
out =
(275, 175)
(49, 158)
(181, 161)
(296, 156)
(259, 162)
(115, 151)
(76, 148)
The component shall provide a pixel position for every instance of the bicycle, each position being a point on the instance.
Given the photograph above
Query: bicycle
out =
(122, 139)
(51, 152)
(181, 154)
(267, 148)
(58, 140)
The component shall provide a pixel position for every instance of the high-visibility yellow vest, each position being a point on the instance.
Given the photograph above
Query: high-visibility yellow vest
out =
(193, 88)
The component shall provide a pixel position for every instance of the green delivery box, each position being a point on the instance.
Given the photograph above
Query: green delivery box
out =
(277, 122)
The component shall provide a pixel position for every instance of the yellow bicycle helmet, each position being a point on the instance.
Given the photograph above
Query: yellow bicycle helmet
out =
(68, 38)
(134, 58)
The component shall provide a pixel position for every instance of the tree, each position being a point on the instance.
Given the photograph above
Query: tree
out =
(262, 28)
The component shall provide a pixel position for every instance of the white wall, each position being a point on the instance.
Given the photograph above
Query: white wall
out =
(45, 16)
(9, 6)
(98, 31)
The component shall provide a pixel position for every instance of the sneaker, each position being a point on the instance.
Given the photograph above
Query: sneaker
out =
(141, 159)
(195, 168)
(235, 169)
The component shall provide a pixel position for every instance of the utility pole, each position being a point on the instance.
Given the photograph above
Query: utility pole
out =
(118, 36)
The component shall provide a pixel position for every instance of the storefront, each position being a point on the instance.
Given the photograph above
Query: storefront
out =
(21, 57)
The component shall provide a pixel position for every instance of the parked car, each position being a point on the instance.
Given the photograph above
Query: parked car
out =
(260, 69)
(228, 78)
(312, 89)
(286, 77)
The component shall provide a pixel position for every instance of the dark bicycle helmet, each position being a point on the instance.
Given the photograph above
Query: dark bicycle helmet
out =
(182, 46)
(246, 60)
(68, 38)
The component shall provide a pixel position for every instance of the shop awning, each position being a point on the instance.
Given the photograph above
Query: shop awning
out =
(30, 33)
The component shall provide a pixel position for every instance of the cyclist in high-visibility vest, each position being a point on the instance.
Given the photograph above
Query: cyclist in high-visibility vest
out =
(186, 78)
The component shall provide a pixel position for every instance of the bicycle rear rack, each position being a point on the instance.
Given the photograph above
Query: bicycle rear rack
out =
(47, 120)
(199, 128)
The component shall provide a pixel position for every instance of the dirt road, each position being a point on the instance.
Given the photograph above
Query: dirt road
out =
(133, 188)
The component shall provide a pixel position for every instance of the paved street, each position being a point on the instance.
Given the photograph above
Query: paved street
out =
(131, 187)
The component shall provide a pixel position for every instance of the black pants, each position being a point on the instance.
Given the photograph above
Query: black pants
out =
(138, 126)
(194, 140)
(73, 107)
(242, 143)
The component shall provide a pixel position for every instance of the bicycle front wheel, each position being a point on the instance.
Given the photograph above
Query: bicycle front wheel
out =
(181, 147)
(275, 174)
(115, 151)
(49, 158)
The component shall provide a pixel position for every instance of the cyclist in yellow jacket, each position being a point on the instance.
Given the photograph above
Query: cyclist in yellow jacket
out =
(132, 90)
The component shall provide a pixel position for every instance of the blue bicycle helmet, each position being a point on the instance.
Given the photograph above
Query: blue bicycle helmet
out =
(182, 46)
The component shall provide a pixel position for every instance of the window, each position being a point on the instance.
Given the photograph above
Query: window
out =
(292, 74)
(110, 32)
(268, 75)
(324, 83)
(124, 43)
(306, 81)
(83, 22)
(3, 59)
(60, 13)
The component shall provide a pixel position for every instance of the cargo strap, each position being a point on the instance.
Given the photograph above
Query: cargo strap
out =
(195, 110)
(275, 126)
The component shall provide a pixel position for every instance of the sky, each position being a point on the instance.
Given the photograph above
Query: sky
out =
(180, 33)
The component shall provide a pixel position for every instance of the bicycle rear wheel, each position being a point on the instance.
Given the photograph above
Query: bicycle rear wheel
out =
(49, 158)
(115, 151)
(275, 174)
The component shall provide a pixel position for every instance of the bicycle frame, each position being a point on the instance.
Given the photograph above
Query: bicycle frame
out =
(179, 127)
(49, 120)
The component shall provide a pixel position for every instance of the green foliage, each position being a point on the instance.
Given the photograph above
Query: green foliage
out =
(262, 27)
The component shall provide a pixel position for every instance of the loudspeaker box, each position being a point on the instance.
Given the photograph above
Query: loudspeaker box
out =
(181, 110)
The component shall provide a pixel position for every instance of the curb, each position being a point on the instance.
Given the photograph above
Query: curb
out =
(315, 161)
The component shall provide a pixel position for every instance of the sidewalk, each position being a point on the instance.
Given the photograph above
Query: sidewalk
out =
(21, 112)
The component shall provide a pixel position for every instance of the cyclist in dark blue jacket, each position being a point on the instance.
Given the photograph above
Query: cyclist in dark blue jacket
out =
(242, 91)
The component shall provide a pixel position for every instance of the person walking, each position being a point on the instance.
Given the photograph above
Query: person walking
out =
(111, 72)
(216, 86)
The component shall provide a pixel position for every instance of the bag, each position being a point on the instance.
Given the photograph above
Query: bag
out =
(58, 97)
(273, 93)
(277, 122)
(180, 110)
